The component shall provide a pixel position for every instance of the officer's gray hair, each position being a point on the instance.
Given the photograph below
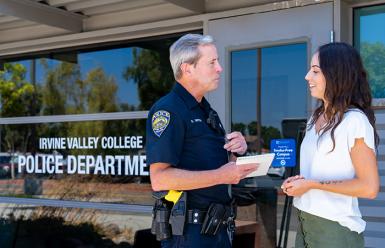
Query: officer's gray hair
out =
(185, 50)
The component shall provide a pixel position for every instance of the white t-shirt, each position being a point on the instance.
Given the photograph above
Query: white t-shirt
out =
(318, 163)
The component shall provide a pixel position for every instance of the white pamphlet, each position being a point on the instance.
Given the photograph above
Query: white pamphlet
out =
(264, 161)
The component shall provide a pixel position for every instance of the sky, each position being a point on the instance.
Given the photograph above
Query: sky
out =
(372, 28)
(113, 61)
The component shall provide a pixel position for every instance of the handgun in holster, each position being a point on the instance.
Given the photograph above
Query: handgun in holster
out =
(169, 213)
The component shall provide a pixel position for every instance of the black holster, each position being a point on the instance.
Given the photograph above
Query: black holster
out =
(160, 226)
(178, 215)
(168, 218)
(218, 215)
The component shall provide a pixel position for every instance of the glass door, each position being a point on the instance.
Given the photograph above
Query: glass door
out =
(267, 87)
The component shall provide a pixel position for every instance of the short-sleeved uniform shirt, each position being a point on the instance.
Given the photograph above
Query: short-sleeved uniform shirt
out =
(178, 134)
(318, 163)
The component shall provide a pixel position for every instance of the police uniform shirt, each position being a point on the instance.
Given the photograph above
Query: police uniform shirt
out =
(178, 134)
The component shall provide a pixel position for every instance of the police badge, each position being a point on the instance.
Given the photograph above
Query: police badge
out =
(160, 121)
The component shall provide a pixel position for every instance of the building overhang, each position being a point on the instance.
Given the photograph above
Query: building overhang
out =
(33, 25)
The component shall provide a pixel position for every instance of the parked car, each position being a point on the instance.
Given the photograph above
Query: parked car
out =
(6, 160)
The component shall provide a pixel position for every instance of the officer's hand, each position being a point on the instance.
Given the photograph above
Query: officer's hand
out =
(236, 143)
(233, 173)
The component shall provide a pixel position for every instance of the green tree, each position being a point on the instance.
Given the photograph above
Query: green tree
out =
(373, 56)
(101, 98)
(152, 72)
(253, 128)
(238, 126)
(16, 92)
(269, 133)
(64, 92)
(18, 97)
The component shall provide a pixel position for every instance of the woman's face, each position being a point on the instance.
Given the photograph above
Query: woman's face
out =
(316, 79)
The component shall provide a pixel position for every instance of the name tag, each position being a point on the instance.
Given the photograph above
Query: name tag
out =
(196, 120)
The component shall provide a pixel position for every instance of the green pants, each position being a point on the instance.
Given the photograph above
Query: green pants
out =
(317, 232)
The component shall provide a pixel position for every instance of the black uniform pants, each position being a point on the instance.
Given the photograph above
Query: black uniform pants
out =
(193, 239)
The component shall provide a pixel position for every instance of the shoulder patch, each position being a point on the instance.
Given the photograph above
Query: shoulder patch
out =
(160, 120)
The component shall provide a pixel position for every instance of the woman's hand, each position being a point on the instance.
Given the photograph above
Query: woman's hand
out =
(298, 187)
(288, 180)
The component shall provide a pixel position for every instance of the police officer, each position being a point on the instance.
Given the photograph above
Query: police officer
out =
(187, 147)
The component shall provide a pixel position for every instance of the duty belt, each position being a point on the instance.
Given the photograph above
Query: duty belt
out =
(197, 216)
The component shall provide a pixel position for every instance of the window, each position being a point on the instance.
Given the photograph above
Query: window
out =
(369, 39)
(125, 78)
(72, 140)
(76, 121)
(267, 86)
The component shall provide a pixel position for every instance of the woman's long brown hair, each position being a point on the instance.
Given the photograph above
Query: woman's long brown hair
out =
(347, 87)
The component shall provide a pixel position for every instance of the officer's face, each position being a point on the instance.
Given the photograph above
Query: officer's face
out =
(207, 70)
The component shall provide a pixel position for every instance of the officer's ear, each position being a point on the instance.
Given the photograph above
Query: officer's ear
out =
(185, 68)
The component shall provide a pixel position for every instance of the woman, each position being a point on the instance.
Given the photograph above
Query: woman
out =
(338, 161)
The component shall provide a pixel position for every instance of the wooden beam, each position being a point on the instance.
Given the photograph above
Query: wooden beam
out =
(43, 14)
